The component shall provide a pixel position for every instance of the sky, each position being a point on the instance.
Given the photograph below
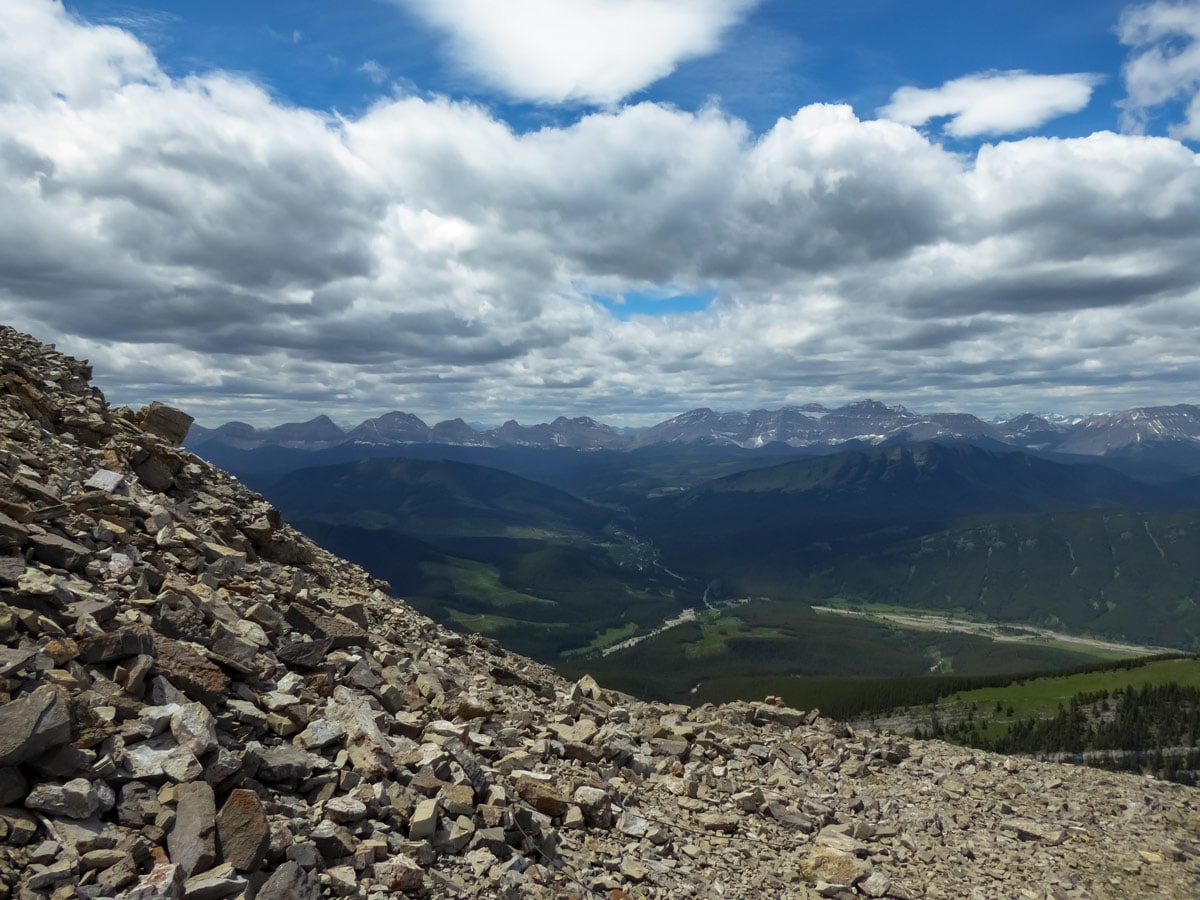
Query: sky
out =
(616, 208)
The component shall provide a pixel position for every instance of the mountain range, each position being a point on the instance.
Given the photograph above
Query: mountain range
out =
(1125, 433)
(199, 702)
(559, 551)
(564, 536)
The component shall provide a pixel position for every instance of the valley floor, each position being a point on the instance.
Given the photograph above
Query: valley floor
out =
(1028, 634)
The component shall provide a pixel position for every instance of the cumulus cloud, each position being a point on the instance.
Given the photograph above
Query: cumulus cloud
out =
(1164, 65)
(208, 245)
(41, 58)
(591, 51)
(991, 103)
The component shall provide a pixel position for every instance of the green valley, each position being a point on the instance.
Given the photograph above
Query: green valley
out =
(487, 550)
(580, 559)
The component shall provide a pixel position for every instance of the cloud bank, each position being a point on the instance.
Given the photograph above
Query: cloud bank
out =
(993, 103)
(589, 51)
(207, 245)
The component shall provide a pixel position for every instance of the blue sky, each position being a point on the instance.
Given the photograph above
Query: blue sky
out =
(782, 55)
(619, 208)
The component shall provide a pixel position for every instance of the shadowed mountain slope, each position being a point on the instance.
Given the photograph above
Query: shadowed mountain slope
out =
(433, 496)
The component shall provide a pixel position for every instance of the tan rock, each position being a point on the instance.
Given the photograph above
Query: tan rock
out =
(541, 795)
(1028, 830)
(242, 831)
(835, 866)
(400, 874)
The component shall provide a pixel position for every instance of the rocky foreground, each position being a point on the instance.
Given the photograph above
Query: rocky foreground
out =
(196, 702)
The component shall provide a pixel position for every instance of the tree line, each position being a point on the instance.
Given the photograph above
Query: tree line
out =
(1152, 729)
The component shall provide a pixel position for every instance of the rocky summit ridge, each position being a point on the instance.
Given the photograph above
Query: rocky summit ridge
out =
(196, 702)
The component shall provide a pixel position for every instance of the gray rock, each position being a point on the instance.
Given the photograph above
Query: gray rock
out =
(13, 786)
(118, 876)
(192, 842)
(86, 836)
(368, 748)
(290, 882)
(13, 534)
(195, 728)
(305, 854)
(31, 725)
(876, 885)
(454, 839)
(161, 758)
(21, 826)
(12, 568)
(59, 552)
(159, 717)
(284, 762)
(224, 764)
(117, 645)
(15, 660)
(137, 804)
(320, 734)
(102, 859)
(156, 472)
(345, 809)
(595, 804)
(77, 799)
(332, 840)
(105, 480)
(342, 881)
(216, 883)
(305, 654)
(43, 877)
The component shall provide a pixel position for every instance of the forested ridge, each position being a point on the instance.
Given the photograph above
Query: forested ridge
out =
(1153, 729)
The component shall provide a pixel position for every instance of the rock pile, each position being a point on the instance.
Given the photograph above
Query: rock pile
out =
(196, 702)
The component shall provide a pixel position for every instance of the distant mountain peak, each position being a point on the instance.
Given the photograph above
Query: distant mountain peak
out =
(1140, 431)
(872, 406)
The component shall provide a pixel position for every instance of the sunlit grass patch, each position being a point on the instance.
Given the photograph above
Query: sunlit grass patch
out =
(481, 582)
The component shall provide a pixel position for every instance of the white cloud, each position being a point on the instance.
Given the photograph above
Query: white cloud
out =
(42, 57)
(374, 71)
(1164, 65)
(208, 245)
(591, 51)
(991, 103)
